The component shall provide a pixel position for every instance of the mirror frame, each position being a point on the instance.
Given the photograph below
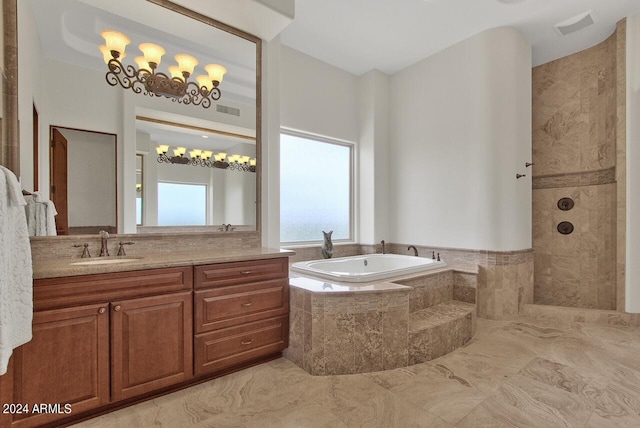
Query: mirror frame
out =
(10, 145)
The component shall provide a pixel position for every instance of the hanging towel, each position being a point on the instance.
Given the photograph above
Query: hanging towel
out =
(16, 271)
(41, 214)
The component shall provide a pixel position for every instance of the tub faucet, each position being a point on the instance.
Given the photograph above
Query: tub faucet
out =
(382, 242)
(415, 250)
(104, 247)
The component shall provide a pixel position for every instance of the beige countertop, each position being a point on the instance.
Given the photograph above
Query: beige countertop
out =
(53, 268)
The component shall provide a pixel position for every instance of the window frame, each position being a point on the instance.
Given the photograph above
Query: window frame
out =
(208, 208)
(352, 187)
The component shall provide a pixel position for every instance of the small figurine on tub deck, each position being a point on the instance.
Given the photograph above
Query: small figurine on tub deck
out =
(327, 247)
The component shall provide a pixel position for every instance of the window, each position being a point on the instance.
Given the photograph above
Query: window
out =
(315, 189)
(182, 204)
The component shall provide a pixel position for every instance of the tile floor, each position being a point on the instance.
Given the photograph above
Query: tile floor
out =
(522, 373)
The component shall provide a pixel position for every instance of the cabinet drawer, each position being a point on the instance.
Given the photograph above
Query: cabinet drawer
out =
(221, 349)
(86, 289)
(225, 274)
(223, 307)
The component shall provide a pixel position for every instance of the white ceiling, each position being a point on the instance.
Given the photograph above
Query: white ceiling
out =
(176, 136)
(389, 35)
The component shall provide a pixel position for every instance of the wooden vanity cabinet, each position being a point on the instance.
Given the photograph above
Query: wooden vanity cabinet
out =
(98, 339)
(241, 313)
(103, 341)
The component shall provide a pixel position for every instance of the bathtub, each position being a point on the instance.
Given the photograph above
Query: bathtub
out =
(369, 268)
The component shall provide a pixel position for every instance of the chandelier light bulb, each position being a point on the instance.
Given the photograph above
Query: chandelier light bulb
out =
(204, 82)
(216, 73)
(106, 54)
(186, 64)
(176, 73)
(152, 53)
(142, 64)
(115, 42)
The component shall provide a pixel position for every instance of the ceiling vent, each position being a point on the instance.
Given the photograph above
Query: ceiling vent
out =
(575, 23)
(227, 110)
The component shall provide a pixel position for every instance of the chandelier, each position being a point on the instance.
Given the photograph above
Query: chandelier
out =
(146, 78)
(206, 158)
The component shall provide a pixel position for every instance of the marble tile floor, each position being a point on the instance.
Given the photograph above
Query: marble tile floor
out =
(522, 373)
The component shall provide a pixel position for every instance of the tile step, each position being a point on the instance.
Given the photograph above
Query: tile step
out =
(439, 314)
(440, 329)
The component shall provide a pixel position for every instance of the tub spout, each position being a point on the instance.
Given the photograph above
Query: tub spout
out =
(415, 250)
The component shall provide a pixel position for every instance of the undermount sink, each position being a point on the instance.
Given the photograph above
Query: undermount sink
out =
(102, 262)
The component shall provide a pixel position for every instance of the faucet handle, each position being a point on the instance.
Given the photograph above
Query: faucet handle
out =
(104, 234)
(121, 251)
(85, 252)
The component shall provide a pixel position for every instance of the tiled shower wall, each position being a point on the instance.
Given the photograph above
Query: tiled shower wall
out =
(574, 153)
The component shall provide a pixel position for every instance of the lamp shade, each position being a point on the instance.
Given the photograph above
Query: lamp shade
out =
(106, 54)
(152, 53)
(142, 63)
(204, 82)
(186, 63)
(206, 154)
(216, 72)
(175, 72)
(115, 41)
(164, 148)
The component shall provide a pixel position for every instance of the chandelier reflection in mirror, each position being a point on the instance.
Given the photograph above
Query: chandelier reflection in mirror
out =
(206, 158)
(147, 79)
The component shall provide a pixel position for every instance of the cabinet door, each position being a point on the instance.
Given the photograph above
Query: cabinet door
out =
(151, 341)
(66, 362)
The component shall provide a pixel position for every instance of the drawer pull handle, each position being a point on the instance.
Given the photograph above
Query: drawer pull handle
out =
(102, 310)
(248, 342)
(247, 304)
(245, 272)
(117, 308)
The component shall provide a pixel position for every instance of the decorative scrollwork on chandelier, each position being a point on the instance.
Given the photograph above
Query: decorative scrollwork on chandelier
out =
(205, 158)
(148, 81)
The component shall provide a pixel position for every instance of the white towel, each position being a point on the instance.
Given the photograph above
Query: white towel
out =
(40, 215)
(16, 271)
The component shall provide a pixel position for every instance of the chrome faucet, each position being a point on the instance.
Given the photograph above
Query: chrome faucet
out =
(104, 247)
(382, 242)
(415, 250)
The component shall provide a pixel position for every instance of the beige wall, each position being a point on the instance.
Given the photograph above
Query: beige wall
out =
(574, 152)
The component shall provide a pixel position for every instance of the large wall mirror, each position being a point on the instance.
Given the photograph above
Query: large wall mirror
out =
(63, 74)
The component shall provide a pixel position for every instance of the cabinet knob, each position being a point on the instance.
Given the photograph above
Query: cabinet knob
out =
(102, 310)
(247, 304)
(248, 342)
(117, 308)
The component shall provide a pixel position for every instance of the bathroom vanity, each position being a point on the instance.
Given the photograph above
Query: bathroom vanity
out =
(105, 336)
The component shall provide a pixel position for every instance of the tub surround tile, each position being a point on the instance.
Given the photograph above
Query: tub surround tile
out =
(395, 338)
(368, 342)
(429, 290)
